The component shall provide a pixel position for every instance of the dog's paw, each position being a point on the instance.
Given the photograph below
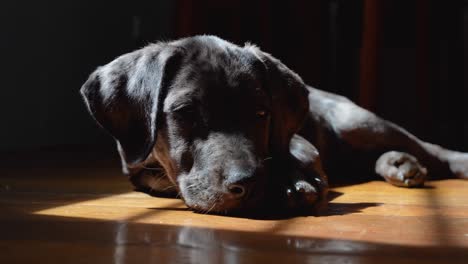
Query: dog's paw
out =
(306, 194)
(401, 169)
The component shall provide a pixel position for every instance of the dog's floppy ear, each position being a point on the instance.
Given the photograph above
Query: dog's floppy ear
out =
(289, 99)
(125, 97)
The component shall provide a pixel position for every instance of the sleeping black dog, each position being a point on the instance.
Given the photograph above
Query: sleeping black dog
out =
(232, 129)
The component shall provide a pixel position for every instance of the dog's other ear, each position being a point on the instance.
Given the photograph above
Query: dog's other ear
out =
(289, 99)
(125, 97)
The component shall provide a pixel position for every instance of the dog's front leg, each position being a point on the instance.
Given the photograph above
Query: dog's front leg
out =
(306, 184)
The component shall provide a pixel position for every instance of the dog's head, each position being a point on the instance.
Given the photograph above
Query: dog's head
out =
(213, 113)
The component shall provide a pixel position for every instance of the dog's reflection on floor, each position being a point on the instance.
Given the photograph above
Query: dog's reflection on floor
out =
(191, 244)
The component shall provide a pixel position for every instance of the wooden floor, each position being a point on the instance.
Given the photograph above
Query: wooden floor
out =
(78, 208)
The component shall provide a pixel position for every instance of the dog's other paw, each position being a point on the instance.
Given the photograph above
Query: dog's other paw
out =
(459, 165)
(401, 169)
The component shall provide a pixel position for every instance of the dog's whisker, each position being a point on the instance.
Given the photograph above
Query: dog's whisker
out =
(168, 187)
(158, 180)
(152, 169)
(211, 208)
(191, 185)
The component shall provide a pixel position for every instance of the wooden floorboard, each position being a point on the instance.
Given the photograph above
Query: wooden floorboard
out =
(84, 211)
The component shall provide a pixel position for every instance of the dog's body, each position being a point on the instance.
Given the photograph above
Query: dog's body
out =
(231, 128)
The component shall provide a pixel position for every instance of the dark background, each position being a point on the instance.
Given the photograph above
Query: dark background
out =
(405, 60)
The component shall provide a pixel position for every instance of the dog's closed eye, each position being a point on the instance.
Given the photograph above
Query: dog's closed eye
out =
(262, 110)
(183, 110)
(186, 115)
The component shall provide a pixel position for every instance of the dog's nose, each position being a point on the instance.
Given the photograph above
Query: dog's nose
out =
(241, 188)
(240, 175)
(237, 190)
